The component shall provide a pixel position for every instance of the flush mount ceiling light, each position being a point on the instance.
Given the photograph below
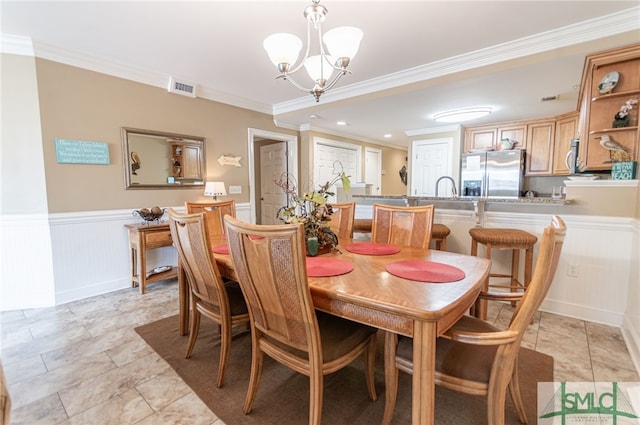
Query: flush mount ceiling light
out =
(341, 43)
(459, 115)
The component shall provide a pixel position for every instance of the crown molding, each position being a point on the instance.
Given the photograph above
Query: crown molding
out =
(609, 25)
(593, 29)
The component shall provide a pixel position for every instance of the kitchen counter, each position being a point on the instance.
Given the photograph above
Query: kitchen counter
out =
(412, 200)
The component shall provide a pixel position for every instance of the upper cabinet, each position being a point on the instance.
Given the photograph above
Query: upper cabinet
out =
(566, 130)
(609, 80)
(539, 146)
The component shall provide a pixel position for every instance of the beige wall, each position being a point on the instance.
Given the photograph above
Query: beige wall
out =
(84, 105)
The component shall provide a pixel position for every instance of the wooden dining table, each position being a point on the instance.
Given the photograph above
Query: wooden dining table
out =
(371, 295)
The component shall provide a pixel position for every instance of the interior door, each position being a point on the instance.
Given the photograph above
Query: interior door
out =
(325, 156)
(373, 169)
(273, 164)
(431, 159)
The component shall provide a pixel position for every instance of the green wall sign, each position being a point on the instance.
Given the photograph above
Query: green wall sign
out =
(81, 152)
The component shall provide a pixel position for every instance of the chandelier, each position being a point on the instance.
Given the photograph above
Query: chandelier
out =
(337, 47)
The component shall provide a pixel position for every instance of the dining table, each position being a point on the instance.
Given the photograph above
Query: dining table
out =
(419, 293)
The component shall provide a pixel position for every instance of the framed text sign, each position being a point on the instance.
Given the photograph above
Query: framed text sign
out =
(81, 152)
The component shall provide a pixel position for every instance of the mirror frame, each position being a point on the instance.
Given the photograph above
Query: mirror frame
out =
(127, 131)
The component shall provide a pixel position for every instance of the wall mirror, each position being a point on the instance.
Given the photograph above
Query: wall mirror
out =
(157, 160)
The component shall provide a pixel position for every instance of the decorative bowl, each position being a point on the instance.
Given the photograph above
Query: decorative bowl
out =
(149, 215)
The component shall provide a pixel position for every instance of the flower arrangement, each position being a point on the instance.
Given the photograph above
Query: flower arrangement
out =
(312, 208)
(621, 119)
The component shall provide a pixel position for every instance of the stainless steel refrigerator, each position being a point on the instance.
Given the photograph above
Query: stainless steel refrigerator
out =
(492, 174)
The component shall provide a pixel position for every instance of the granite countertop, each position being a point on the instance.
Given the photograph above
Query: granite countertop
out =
(534, 200)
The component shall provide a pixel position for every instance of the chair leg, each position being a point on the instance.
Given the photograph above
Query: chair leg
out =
(193, 331)
(390, 376)
(370, 367)
(316, 382)
(514, 391)
(225, 348)
(256, 372)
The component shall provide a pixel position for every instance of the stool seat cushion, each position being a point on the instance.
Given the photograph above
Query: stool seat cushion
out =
(439, 231)
(505, 237)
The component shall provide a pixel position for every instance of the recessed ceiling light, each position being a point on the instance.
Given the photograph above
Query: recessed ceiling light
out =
(387, 136)
(342, 123)
(465, 114)
(313, 116)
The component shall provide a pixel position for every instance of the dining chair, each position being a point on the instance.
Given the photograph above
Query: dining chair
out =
(399, 225)
(269, 261)
(475, 357)
(342, 219)
(211, 296)
(214, 213)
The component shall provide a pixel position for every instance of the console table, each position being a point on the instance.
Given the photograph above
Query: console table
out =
(141, 238)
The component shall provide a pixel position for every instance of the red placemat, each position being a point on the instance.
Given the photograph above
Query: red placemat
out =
(323, 267)
(372, 248)
(221, 249)
(425, 271)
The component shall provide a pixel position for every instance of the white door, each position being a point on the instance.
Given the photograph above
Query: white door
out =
(431, 159)
(326, 156)
(273, 164)
(373, 169)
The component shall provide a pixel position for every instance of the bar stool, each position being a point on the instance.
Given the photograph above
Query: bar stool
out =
(513, 239)
(439, 233)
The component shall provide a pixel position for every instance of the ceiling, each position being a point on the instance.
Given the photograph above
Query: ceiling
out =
(416, 58)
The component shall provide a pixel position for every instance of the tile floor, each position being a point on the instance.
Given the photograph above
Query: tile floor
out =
(82, 362)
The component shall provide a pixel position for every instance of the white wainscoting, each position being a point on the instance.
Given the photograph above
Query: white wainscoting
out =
(601, 248)
(77, 255)
(70, 256)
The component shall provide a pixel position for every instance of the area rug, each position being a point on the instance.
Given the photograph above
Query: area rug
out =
(283, 396)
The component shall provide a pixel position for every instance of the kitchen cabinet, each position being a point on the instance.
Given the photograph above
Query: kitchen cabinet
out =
(566, 130)
(480, 138)
(540, 140)
(601, 105)
(488, 137)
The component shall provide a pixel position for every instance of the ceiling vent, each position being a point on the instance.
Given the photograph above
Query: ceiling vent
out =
(182, 87)
(549, 98)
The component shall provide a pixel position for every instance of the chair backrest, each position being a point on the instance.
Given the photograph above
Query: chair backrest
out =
(342, 219)
(214, 213)
(189, 236)
(270, 263)
(405, 226)
(546, 264)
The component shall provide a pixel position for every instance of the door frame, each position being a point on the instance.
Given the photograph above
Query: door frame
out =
(448, 141)
(292, 159)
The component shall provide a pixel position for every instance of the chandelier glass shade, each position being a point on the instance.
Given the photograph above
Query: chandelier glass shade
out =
(337, 48)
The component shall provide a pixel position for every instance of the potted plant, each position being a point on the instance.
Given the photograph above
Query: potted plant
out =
(621, 119)
(312, 208)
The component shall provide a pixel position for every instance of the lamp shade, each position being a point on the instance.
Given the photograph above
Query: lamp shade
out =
(343, 42)
(215, 189)
(282, 48)
(319, 69)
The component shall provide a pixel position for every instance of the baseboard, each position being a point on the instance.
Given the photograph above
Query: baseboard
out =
(582, 312)
(75, 294)
(631, 337)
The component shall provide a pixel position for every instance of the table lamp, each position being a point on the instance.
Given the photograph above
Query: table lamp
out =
(215, 189)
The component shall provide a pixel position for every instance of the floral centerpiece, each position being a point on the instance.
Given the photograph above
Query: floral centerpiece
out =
(312, 208)
(621, 119)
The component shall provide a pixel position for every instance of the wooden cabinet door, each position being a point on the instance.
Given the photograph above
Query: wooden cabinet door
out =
(480, 138)
(566, 130)
(540, 136)
(191, 165)
(517, 133)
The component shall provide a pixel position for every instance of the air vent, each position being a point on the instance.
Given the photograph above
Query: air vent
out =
(182, 87)
(549, 98)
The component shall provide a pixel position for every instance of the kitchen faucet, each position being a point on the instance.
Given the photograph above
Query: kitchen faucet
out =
(453, 184)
